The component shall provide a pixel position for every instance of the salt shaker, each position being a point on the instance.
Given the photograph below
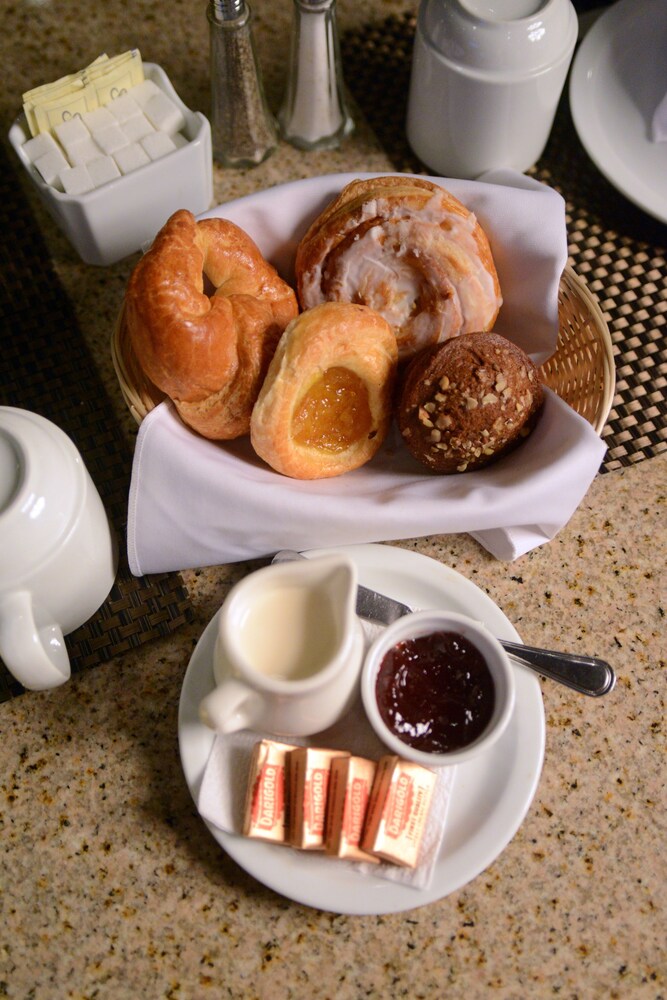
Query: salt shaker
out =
(242, 127)
(486, 79)
(314, 113)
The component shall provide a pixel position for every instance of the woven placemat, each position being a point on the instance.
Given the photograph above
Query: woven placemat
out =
(616, 248)
(46, 367)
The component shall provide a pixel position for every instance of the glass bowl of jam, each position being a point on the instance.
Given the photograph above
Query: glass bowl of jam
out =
(437, 687)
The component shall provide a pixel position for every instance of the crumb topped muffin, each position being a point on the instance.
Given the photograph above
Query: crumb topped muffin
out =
(466, 402)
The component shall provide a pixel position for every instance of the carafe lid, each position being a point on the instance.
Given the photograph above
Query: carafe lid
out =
(503, 37)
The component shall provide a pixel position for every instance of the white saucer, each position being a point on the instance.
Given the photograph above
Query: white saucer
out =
(618, 78)
(491, 795)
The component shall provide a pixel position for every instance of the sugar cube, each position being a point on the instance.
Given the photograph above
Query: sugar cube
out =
(143, 91)
(98, 118)
(81, 152)
(102, 170)
(123, 107)
(71, 131)
(137, 127)
(158, 144)
(50, 165)
(179, 140)
(76, 180)
(40, 145)
(131, 157)
(110, 139)
(163, 113)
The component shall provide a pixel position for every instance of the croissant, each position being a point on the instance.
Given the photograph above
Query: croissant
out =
(407, 248)
(204, 312)
(326, 404)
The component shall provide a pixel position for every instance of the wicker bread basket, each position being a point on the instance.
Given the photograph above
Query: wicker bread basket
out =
(581, 370)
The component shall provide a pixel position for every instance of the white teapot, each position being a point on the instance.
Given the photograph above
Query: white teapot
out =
(58, 553)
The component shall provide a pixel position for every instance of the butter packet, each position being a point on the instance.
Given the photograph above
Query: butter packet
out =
(267, 797)
(398, 811)
(349, 794)
(310, 774)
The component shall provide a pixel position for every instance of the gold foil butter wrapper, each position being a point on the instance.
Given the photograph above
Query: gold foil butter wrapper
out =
(310, 773)
(349, 795)
(266, 806)
(398, 811)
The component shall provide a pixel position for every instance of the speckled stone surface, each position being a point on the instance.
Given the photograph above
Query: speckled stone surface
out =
(110, 884)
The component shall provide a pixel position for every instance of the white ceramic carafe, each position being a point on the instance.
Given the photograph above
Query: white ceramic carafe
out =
(58, 553)
(486, 79)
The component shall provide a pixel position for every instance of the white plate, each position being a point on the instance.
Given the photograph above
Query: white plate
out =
(618, 78)
(491, 794)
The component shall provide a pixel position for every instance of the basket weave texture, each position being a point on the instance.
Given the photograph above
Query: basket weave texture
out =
(580, 371)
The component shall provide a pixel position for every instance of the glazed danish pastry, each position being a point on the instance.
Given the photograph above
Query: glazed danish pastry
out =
(204, 311)
(326, 404)
(410, 250)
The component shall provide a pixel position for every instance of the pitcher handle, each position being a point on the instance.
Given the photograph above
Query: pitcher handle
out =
(36, 656)
(230, 706)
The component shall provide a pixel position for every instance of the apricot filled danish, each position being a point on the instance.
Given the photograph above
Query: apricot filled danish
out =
(326, 404)
(408, 249)
(204, 311)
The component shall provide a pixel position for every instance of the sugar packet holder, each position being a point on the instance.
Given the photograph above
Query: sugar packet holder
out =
(117, 219)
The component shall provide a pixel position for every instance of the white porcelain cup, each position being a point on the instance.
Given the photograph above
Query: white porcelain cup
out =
(59, 553)
(486, 79)
(471, 634)
(288, 650)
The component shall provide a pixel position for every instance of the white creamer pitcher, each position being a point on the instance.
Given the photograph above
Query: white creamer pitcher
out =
(58, 554)
(486, 79)
(288, 650)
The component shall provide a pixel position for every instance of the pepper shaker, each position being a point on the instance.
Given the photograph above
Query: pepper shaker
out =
(242, 127)
(314, 113)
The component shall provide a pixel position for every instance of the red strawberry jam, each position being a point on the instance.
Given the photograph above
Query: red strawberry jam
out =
(435, 692)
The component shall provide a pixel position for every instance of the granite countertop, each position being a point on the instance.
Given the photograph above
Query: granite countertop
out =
(111, 886)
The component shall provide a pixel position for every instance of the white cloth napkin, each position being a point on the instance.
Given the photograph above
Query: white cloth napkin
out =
(222, 792)
(193, 503)
(659, 122)
(196, 503)
(524, 220)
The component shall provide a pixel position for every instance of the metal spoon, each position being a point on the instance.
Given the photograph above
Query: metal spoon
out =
(586, 674)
